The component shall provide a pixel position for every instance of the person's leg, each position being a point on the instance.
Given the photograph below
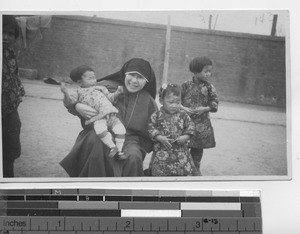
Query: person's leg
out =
(88, 157)
(133, 164)
(197, 156)
(8, 168)
(11, 144)
(105, 136)
(119, 131)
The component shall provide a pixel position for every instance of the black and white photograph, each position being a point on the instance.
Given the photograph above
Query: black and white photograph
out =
(172, 95)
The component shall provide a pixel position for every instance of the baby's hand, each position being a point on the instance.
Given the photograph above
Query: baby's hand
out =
(120, 89)
(164, 141)
(63, 87)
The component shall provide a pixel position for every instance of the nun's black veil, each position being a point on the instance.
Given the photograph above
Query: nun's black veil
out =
(146, 70)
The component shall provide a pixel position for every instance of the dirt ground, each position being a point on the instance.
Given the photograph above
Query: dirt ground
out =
(251, 140)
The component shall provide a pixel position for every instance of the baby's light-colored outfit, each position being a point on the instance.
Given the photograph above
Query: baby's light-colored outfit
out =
(99, 98)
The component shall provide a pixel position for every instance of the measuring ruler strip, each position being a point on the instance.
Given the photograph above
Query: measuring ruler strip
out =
(129, 224)
(127, 192)
(124, 205)
(126, 198)
(114, 209)
(104, 211)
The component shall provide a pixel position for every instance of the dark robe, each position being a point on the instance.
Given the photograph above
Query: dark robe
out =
(89, 156)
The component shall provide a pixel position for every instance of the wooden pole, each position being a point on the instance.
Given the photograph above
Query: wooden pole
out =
(167, 53)
(273, 31)
(209, 22)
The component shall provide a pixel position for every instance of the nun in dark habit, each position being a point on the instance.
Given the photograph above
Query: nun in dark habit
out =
(89, 156)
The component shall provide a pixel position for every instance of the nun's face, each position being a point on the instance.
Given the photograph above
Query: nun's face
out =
(134, 82)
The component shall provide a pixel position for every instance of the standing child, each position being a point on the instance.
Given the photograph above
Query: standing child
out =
(171, 128)
(199, 97)
(12, 93)
(99, 98)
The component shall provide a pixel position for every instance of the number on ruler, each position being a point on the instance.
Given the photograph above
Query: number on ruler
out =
(127, 224)
(214, 221)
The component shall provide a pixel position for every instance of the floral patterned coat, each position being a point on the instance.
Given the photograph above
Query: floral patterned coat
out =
(12, 88)
(196, 94)
(177, 161)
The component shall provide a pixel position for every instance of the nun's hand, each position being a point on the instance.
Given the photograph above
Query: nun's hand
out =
(85, 111)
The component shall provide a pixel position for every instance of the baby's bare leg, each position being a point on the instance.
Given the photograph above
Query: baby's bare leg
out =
(105, 136)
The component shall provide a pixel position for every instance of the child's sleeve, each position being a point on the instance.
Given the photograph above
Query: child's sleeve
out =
(213, 100)
(152, 126)
(18, 81)
(188, 125)
(70, 97)
(112, 97)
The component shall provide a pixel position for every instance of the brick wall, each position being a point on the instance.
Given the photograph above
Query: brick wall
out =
(247, 68)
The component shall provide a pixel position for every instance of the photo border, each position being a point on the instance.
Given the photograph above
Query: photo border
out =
(174, 179)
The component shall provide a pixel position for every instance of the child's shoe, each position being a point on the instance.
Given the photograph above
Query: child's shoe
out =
(113, 152)
(121, 155)
(198, 172)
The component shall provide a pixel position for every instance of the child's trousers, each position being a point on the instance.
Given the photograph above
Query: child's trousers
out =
(114, 124)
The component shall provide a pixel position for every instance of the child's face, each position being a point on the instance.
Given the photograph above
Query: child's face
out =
(88, 79)
(134, 82)
(171, 103)
(9, 37)
(205, 74)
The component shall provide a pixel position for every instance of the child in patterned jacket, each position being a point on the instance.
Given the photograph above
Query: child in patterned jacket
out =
(99, 98)
(171, 128)
(199, 97)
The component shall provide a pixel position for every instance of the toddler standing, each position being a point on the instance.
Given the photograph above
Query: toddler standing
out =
(99, 98)
(199, 97)
(171, 128)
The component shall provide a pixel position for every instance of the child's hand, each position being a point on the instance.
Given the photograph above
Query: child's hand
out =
(201, 110)
(63, 87)
(164, 141)
(187, 110)
(182, 139)
(120, 89)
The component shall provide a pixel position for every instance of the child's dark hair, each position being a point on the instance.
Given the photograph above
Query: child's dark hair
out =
(198, 63)
(167, 89)
(77, 72)
(10, 21)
